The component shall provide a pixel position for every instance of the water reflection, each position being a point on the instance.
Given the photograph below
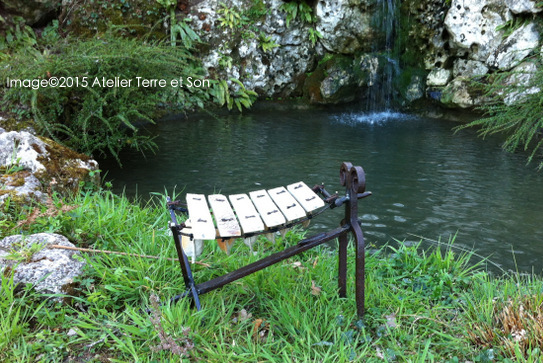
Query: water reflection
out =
(426, 180)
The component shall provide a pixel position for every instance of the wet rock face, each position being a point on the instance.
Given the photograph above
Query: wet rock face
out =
(338, 80)
(32, 11)
(238, 51)
(31, 164)
(51, 271)
(345, 25)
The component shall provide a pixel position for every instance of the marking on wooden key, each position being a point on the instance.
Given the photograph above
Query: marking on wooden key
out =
(305, 196)
(286, 202)
(202, 223)
(248, 216)
(270, 213)
(224, 216)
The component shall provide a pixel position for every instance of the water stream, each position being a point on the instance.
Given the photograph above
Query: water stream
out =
(426, 180)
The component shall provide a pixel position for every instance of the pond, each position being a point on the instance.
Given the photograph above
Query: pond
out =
(426, 180)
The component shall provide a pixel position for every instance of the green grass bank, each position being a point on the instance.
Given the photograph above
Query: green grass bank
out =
(422, 305)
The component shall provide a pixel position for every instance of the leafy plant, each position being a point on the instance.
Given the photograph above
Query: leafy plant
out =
(266, 42)
(23, 253)
(87, 114)
(314, 36)
(511, 25)
(293, 9)
(240, 97)
(225, 61)
(179, 29)
(13, 166)
(229, 16)
(182, 30)
(18, 36)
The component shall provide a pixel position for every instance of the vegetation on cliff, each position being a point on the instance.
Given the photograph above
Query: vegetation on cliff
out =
(96, 94)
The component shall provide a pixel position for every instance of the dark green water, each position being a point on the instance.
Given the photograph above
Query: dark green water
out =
(425, 179)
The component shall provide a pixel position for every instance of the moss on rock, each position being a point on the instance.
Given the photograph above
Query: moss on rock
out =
(65, 169)
(335, 80)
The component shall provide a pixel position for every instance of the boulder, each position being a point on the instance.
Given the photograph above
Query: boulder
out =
(515, 47)
(472, 25)
(344, 25)
(338, 80)
(32, 164)
(415, 89)
(460, 93)
(51, 271)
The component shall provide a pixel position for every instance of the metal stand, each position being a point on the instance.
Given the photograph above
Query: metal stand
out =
(353, 178)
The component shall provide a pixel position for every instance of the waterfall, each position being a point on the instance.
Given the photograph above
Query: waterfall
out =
(381, 95)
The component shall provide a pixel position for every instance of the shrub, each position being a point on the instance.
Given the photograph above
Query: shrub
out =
(82, 112)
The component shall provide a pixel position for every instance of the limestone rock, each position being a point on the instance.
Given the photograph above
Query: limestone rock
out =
(439, 77)
(523, 6)
(237, 52)
(30, 261)
(460, 93)
(515, 47)
(415, 89)
(469, 68)
(21, 186)
(344, 26)
(522, 78)
(31, 163)
(338, 80)
(472, 25)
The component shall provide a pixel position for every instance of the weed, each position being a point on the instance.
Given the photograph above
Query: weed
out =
(266, 42)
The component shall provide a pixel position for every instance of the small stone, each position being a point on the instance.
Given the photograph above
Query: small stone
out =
(439, 77)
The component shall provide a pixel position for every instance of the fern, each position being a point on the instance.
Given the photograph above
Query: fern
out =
(266, 42)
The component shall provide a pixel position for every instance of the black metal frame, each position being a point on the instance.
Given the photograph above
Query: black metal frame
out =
(353, 178)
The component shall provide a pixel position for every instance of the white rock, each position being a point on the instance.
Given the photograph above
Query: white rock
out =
(523, 6)
(456, 94)
(522, 79)
(49, 270)
(439, 77)
(21, 148)
(472, 25)
(469, 68)
(515, 47)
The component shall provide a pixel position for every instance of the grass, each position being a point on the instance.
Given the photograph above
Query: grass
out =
(422, 306)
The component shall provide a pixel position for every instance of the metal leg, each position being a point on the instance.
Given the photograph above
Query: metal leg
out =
(342, 265)
(353, 178)
(360, 268)
(185, 267)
